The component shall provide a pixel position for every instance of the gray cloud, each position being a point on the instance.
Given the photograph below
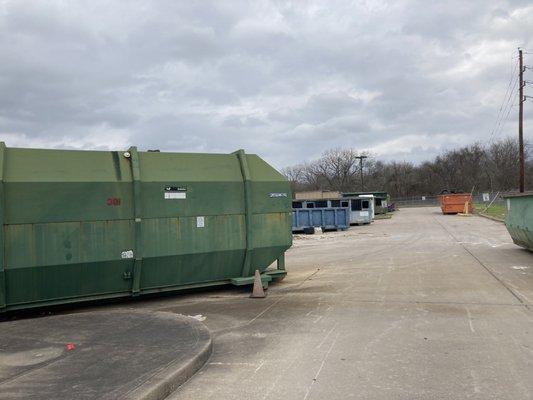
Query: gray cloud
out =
(404, 79)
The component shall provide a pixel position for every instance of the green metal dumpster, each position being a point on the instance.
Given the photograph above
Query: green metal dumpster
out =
(519, 218)
(81, 225)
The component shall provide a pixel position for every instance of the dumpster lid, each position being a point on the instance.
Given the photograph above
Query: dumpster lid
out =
(517, 194)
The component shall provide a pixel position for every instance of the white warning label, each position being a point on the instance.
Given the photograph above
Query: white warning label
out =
(277, 195)
(127, 254)
(200, 222)
(175, 195)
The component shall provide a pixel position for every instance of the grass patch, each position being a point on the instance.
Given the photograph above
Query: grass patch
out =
(495, 210)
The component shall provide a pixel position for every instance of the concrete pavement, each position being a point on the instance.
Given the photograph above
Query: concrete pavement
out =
(100, 355)
(422, 306)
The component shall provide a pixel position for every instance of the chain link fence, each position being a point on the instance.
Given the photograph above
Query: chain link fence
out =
(480, 200)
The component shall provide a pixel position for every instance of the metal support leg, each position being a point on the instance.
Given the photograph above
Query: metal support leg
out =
(281, 262)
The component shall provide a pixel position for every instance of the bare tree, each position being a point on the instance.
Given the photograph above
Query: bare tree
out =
(339, 167)
(503, 164)
(492, 168)
(295, 175)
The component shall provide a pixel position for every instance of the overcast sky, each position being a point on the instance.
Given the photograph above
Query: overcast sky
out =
(402, 79)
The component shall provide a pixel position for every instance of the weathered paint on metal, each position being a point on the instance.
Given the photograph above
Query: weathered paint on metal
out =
(326, 218)
(84, 225)
(133, 156)
(519, 219)
(381, 200)
(247, 211)
(2, 245)
(455, 203)
(362, 209)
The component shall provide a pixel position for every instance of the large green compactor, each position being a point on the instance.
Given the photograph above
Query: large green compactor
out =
(83, 225)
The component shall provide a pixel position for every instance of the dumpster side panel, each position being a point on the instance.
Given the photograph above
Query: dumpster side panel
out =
(65, 185)
(455, 203)
(329, 218)
(82, 224)
(190, 185)
(301, 219)
(66, 225)
(272, 239)
(519, 219)
(343, 217)
(358, 213)
(381, 198)
(271, 201)
(193, 229)
(65, 260)
(178, 252)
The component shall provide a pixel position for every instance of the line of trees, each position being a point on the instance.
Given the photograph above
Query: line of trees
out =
(483, 168)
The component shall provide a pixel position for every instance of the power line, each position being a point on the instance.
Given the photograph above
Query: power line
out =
(507, 99)
(507, 105)
(506, 111)
(507, 117)
(500, 113)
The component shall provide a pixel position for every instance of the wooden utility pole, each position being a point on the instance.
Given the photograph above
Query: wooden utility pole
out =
(361, 158)
(521, 121)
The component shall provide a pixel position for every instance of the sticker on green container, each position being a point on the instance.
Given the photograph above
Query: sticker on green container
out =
(175, 193)
(127, 254)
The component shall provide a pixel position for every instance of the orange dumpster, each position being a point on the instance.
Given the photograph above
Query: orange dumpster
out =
(454, 203)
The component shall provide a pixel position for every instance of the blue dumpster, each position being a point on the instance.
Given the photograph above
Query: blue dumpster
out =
(327, 218)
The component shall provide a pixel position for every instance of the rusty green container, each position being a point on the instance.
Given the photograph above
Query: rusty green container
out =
(519, 218)
(82, 225)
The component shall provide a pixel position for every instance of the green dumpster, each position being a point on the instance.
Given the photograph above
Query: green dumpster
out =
(519, 218)
(82, 225)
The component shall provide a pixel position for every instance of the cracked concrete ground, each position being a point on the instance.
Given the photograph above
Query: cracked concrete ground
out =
(421, 306)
